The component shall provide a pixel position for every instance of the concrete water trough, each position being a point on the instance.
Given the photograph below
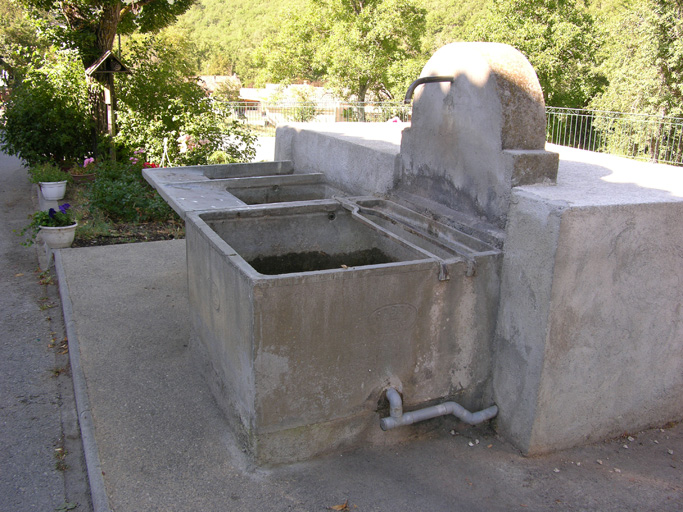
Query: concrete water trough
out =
(461, 272)
(304, 315)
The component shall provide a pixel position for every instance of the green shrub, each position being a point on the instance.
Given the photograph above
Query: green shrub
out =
(46, 116)
(46, 172)
(122, 194)
(170, 117)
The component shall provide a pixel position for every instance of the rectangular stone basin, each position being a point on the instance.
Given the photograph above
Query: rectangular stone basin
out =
(297, 187)
(227, 193)
(303, 315)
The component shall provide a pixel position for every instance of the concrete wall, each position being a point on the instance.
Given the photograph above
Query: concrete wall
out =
(590, 331)
(221, 338)
(360, 158)
(589, 335)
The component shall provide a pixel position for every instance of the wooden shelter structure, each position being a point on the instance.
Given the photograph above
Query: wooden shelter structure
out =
(102, 71)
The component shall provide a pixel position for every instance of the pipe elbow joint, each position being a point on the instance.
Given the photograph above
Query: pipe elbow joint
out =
(395, 403)
(387, 423)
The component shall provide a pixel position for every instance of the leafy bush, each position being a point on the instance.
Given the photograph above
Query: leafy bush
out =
(46, 117)
(123, 195)
(170, 117)
(46, 172)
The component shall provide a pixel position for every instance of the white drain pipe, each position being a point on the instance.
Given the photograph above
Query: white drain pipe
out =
(398, 418)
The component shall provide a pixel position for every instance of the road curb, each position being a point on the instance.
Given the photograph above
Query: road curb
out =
(98, 490)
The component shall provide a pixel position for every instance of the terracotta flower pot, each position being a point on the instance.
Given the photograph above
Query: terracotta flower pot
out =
(83, 178)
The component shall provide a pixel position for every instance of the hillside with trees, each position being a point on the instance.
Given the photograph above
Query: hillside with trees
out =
(623, 55)
(578, 47)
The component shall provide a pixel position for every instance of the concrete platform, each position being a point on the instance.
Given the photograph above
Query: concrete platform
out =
(156, 441)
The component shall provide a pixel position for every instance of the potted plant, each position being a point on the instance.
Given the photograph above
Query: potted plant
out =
(85, 173)
(51, 179)
(57, 228)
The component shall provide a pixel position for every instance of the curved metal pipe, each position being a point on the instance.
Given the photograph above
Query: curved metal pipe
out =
(395, 403)
(424, 80)
(457, 410)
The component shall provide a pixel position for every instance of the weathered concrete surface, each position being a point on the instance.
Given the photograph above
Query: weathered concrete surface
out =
(164, 443)
(246, 170)
(590, 331)
(472, 140)
(359, 158)
(300, 361)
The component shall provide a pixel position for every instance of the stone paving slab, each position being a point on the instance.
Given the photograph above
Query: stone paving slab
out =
(163, 445)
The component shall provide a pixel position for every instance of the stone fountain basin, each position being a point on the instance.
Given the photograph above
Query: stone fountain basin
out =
(303, 314)
(227, 193)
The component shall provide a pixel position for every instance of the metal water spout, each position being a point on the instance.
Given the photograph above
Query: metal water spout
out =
(424, 80)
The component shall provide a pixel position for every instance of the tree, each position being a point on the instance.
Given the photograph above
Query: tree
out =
(46, 117)
(644, 59)
(18, 39)
(356, 46)
(644, 66)
(91, 26)
(228, 31)
(559, 39)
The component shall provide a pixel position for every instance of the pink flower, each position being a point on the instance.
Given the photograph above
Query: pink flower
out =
(88, 161)
(133, 160)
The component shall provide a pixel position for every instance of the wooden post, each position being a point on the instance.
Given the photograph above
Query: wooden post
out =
(110, 101)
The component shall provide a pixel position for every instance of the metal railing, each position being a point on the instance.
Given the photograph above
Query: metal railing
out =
(264, 117)
(642, 137)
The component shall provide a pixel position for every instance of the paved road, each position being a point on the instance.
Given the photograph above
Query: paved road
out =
(37, 412)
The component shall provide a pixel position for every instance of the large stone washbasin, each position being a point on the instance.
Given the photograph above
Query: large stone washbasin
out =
(303, 315)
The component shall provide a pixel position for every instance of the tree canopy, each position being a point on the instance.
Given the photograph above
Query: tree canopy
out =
(356, 46)
(558, 37)
(90, 26)
(643, 59)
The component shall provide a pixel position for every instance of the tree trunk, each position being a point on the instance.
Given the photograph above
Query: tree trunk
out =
(104, 30)
(105, 35)
(362, 91)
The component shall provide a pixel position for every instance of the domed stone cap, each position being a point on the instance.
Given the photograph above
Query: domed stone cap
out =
(478, 135)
